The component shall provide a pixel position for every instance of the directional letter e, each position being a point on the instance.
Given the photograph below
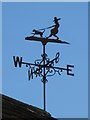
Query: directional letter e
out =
(69, 69)
(17, 60)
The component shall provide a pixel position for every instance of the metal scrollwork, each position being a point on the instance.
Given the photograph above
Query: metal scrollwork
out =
(57, 57)
(38, 68)
(50, 72)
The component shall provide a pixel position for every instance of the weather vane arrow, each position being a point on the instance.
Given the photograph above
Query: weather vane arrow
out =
(45, 67)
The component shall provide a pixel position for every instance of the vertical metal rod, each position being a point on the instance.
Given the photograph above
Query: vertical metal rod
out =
(44, 76)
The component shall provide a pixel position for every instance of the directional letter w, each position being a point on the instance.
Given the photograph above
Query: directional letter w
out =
(17, 60)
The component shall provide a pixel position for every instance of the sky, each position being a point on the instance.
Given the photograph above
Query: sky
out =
(66, 96)
(0, 48)
(45, 0)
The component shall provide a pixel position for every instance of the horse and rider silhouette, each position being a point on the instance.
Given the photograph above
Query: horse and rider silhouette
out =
(53, 31)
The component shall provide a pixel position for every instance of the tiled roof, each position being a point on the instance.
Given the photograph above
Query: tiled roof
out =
(15, 110)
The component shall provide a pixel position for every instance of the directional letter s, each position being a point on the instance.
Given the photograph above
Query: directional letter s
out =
(17, 60)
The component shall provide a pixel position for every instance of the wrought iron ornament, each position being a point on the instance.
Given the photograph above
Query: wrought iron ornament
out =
(36, 69)
(45, 67)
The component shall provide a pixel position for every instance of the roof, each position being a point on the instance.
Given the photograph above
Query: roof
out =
(15, 110)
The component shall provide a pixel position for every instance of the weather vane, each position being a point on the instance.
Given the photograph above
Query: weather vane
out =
(44, 67)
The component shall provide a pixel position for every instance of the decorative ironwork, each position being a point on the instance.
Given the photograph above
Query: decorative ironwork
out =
(37, 68)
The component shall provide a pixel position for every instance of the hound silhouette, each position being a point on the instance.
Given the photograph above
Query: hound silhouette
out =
(37, 32)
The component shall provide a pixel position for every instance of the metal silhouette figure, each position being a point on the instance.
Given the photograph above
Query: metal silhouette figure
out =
(54, 31)
(37, 32)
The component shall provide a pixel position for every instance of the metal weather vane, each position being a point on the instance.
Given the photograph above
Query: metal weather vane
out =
(44, 67)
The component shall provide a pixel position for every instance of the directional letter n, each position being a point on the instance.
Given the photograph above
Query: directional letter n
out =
(17, 60)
